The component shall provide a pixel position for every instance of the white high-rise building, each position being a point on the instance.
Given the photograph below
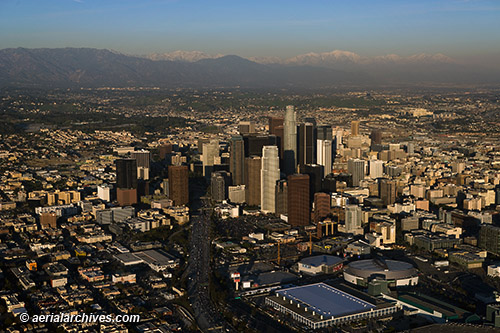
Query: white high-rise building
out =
(337, 137)
(210, 153)
(376, 169)
(324, 155)
(352, 218)
(290, 140)
(269, 175)
(104, 192)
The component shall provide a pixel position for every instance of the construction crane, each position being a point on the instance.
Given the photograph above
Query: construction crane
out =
(280, 257)
(310, 243)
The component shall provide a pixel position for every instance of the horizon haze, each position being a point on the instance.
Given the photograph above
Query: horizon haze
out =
(466, 31)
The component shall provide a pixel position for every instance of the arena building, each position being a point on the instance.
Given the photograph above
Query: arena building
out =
(321, 305)
(397, 273)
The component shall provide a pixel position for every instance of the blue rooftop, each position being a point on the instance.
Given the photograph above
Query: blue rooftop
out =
(325, 300)
(321, 260)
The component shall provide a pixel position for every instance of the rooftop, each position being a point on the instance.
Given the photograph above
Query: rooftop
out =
(326, 300)
(321, 260)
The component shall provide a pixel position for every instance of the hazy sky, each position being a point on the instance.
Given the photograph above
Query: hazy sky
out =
(284, 28)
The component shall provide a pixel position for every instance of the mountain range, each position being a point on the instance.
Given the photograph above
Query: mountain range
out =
(86, 67)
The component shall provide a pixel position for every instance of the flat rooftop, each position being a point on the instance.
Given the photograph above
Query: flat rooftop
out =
(326, 300)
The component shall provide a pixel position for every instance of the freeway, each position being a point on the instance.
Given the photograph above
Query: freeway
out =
(207, 316)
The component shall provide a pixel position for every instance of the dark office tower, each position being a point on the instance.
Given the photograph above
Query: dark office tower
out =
(143, 158)
(356, 168)
(254, 143)
(126, 173)
(376, 137)
(252, 180)
(164, 150)
(324, 132)
(387, 191)
(275, 122)
(219, 183)
(276, 128)
(290, 140)
(246, 127)
(355, 127)
(126, 181)
(178, 183)
(306, 144)
(315, 173)
(221, 167)
(321, 206)
(237, 160)
(281, 197)
(279, 137)
(345, 177)
(329, 184)
(497, 195)
(311, 120)
(299, 212)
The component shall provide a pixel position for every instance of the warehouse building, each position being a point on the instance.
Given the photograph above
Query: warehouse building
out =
(320, 305)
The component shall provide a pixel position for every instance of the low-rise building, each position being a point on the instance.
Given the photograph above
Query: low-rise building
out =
(322, 264)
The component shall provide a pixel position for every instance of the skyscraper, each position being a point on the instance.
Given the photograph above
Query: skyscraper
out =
(281, 197)
(307, 143)
(376, 137)
(352, 218)
(354, 127)
(274, 123)
(387, 191)
(356, 167)
(376, 168)
(324, 132)
(210, 151)
(253, 165)
(255, 142)
(178, 180)
(299, 213)
(237, 160)
(324, 155)
(126, 173)
(246, 127)
(321, 206)
(164, 150)
(290, 140)
(143, 158)
(337, 135)
(219, 184)
(270, 173)
(315, 173)
(126, 181)
(276, 128)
